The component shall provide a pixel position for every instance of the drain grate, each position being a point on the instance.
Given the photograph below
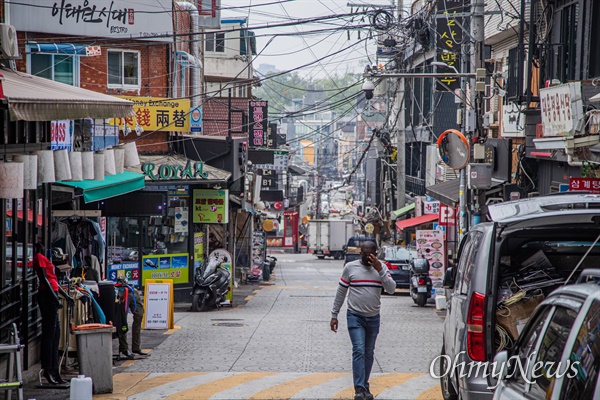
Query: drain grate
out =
(229, 324)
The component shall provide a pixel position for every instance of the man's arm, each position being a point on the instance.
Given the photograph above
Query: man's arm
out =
(340, 296)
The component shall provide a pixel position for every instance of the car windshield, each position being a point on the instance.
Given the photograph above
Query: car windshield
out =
(357, 242)
(397, 254)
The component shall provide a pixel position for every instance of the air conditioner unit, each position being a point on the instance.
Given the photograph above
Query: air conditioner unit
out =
(8, 42)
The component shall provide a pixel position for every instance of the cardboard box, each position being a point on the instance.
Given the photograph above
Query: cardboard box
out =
(514, 317)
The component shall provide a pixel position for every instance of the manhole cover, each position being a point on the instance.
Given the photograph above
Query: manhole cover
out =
(229, 324)
(226, 319)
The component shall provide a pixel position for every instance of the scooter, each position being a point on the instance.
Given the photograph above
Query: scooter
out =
(211, 283)
(420, 282)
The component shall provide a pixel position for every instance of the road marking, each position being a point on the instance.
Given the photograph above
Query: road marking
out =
(248, 298)
(293, 386)
(434, 393)
(379, 383)
(206, 391)
(412, 388)
(171, 331)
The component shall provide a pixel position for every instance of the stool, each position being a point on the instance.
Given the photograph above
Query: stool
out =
(13, 349)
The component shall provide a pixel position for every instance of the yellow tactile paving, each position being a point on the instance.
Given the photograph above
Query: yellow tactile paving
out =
(207, 390)
(435, 393)
(378, 384)
(171, 331)
(131, 383)
(293, 386)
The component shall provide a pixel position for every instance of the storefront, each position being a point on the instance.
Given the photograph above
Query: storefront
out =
(29, 105)
(166, 230)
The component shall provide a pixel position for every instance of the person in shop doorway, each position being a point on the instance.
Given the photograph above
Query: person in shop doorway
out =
(49, 303)
(129, 299)
(362, 280)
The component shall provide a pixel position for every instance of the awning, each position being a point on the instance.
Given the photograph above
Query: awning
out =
(31, 98)
(447, 192)
(296, 170)
(402, 211)
(111, 186)
(423, 219)
(58, 48)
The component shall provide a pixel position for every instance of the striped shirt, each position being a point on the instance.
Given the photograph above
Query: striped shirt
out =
(363, 285)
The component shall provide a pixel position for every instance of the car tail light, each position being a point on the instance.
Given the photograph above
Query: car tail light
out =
(421, 281)
(475, 320)
(390, 266)
(326, 252)
(310, 251)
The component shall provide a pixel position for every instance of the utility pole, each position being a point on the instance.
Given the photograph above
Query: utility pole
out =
(401, 146)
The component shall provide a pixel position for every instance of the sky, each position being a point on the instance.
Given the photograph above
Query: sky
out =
(290, 52)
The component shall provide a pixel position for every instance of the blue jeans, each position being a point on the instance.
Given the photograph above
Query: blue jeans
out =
(363, 334)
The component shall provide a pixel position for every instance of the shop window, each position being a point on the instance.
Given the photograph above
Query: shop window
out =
(122, 251)
(215, 42)
(59, 68)
(123, 69)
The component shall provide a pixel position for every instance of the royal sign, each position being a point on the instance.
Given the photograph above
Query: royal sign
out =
(161, 172)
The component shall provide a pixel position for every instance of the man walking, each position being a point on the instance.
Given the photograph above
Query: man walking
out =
(364, 279)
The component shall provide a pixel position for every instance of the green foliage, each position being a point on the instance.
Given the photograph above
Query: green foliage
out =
(282, 90)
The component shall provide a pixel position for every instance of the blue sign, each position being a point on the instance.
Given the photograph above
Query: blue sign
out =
(196, 120)
(438, 227)
(131, 270)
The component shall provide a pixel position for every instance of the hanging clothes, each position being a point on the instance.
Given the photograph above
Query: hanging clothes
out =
(61, 238)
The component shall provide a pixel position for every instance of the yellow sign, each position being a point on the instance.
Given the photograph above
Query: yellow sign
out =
(369, 228)
(155, 113)
(198, 249)
(158, 304)
(268, 225)
(211, 206)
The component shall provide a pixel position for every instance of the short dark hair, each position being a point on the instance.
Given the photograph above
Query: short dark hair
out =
(39, 248)
(369, 246)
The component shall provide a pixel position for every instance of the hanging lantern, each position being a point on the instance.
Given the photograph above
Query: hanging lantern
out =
(131, 155)
(87, 164)
(99, 166)
(62, 167)
(75, 161)
(30, 170)
(119, 160)
(11, 180)
(109, 162)
(46, 166)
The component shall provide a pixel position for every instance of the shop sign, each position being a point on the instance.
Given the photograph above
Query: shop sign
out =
(258, 131)
(449, 36)
(561, 108)
(211, 206)
(166, 266)
(130, 270)
(155, 113)
(591, 185)
(447, 215)
(60, 135)
(158, 304)
(161, 172)
(431, 207)
(196, 120)
(198, 249)
(430, 245)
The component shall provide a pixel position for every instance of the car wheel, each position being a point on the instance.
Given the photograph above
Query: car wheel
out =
(448, 392)
(338, 256)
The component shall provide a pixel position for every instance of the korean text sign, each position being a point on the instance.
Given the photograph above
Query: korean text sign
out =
(259, 127)
(211, 206)
(158, 302)
(449, 38)
(166, 266)
(153, 113)
(591, 185)
(561, 109)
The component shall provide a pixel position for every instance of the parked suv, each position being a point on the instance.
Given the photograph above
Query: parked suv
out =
(565, 331)
(503, 270)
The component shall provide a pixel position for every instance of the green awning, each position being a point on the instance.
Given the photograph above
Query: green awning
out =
(401, 211)
(111, 186)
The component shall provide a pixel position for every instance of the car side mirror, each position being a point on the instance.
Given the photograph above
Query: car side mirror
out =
(448, 281)
(501, 360)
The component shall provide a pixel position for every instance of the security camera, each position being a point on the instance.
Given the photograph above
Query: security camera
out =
(368, 87)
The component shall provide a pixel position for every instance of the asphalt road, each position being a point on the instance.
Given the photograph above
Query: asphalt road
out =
(277, 344)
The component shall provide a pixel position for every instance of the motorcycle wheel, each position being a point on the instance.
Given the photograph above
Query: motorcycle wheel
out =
(195, 300)
(421, 299)
(204, 303)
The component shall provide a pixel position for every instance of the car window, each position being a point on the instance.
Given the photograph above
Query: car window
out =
(585, 357)
(551, 350)
(527, 344)
(470, 260)
(462, 262)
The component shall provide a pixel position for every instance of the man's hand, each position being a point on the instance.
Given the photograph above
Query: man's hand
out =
(334, 324)
(374, 261)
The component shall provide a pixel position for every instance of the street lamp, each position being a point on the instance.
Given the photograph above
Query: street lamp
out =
(444, 65)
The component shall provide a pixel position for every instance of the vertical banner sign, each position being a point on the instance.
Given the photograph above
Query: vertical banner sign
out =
(449, 38)
(60, 135)
(198, 249)
(211, 206)
(447, 216)
(259, 128)
(158, 304)
(430, 245)
(227, 263)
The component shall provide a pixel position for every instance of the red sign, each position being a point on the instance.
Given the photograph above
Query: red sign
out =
(447, 216)
(591, 185)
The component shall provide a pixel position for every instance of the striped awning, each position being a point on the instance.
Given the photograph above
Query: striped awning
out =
(31, 98)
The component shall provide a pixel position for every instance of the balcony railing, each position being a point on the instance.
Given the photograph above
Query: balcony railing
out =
(415, 185)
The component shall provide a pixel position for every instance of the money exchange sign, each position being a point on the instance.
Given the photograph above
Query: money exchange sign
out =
(153, 113)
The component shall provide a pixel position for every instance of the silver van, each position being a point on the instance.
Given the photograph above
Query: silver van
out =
(504, 268)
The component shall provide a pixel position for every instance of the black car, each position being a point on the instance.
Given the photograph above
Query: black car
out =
(353, 247)
(397, 259)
